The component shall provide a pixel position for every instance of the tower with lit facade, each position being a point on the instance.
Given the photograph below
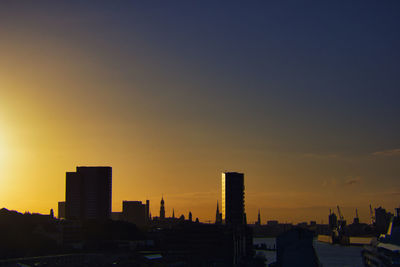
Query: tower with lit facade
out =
(233, 198)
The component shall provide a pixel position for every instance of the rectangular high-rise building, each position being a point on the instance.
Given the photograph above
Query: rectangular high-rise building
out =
(233, 198)
(134, 212)
(88, 193)
(73, 196)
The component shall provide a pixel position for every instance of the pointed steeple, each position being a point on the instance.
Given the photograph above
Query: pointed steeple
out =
(162, 208)
(259, 218)
(173, 213)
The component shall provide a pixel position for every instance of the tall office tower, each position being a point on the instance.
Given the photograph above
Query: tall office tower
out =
(88, 193)
(233, 198)
(73, 196)
(162, 209)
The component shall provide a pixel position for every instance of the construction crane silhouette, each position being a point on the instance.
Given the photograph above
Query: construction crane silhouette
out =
(339, 213)
(341, 221)
(356, 219)
(372, 214)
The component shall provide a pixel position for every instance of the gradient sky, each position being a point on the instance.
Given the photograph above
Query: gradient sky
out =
(301, 96)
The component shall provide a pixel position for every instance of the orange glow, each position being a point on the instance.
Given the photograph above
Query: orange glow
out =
(62, 107)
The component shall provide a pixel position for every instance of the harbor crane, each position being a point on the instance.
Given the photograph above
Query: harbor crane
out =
(338, 234)
(341, 221)
(372, 214)
(339, 213)
(356, 219)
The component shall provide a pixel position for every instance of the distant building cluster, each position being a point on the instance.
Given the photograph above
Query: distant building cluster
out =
(88, 194)
(134, 212)
(88, 197)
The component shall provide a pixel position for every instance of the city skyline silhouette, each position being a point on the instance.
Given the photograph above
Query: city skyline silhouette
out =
(209, 133)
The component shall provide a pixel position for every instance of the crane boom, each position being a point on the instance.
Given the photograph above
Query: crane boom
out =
(371, 213)
(339, 213)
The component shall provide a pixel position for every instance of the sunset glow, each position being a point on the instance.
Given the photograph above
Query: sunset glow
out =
(172, 99)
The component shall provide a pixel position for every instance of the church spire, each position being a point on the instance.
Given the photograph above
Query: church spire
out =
(162, 208)
(259, 218)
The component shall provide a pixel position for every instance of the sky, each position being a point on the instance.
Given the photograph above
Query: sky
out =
(300, 96)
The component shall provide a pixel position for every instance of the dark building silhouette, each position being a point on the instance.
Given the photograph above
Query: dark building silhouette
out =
(272, 223)
(61, 210)
(73, 196)
(258, 218)
(88, 193)
(162, 209)
(295, 248)
(135, 212)
(234, 217)
(233, 198)
(197, 244)
(190, 217)
(218, 215)
(148, 211)
(116, 216)
(382, 220)
(333, 222)
(272, 228)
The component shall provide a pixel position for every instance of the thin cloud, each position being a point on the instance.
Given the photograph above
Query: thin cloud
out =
(388, 153)
(353, 181)
(331, 183)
